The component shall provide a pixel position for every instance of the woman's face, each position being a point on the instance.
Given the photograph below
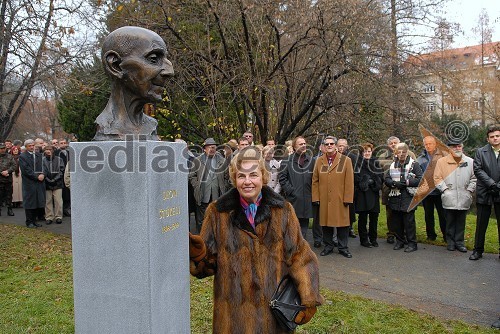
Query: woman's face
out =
(367, 153)
(249, 180)
(402, 154)
(269, 155)
(14, 150)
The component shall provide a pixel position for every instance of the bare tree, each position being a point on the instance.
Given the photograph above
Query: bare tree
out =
(39, 39)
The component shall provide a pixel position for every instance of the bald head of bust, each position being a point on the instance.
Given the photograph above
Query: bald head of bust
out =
(137, 58)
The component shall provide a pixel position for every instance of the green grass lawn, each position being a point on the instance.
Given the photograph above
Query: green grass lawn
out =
(37, 296)
(490, 245)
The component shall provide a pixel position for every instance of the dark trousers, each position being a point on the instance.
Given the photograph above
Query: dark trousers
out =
(40, 214)
(429, 203)
(6, 194)
(404, 225)
(352, 215)
(483, 217)
(31, 215)
(372, 226)
(342, 237)
(317, 231)
(66, 196)
(455, 226)
(199, 215)
(304, 225)
(390, 227)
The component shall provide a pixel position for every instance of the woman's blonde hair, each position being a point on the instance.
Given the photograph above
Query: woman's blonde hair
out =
(249, 153)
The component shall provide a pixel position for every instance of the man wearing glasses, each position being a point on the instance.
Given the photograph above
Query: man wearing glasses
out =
(333, 191)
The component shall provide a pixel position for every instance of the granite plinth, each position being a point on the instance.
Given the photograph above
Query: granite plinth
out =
(130, 237)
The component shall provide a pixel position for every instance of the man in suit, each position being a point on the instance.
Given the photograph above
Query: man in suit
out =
(296, 178)
(487, 170)
(207, 176)
(63, 153)
(427, 161)
(30, 163)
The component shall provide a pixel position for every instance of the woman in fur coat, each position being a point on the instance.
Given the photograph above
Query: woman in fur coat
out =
(249, 240)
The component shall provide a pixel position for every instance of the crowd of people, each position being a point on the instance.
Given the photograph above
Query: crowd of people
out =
(33, 177)
(341, 183)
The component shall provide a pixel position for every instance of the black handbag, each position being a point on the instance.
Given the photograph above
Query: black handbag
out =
(285, 304)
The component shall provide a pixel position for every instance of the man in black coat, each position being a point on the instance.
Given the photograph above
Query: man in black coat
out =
(7, 167)
(30, 163)
(296, 179)
(487, 171)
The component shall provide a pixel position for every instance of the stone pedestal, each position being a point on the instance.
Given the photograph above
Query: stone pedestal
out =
(130, 237)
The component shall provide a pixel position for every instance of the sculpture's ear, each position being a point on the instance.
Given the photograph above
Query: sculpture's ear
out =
(111, 63)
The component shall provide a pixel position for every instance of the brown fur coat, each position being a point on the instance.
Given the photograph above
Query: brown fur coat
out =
(248, 264)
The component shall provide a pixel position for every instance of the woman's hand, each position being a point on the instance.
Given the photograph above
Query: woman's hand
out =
(197, 248)
(303, 317)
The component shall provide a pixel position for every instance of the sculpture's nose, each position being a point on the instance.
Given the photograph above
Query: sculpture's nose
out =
(168, 69)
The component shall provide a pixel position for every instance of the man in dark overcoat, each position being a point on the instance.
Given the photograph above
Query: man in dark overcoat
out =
(30, 163)
(207, 175)
(487, 171)
(296, 178)
(7, 167)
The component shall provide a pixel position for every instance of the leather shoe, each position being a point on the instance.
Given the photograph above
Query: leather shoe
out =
(398, 246)
(58, 221)
(10, 212)
(326, 251)
(345, 253)
(410, 249)
(462, 249)
(390, 239)
(366, 244)
(496, 324)
(374, 243)
(475, 256)
(48, 222)
(30, 226)
(37, 225)
(317, 244)
(450, 247)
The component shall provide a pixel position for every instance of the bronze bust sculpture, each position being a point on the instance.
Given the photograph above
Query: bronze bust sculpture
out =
(136, 60)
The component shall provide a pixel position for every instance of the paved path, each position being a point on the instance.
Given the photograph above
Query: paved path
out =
(432, 280)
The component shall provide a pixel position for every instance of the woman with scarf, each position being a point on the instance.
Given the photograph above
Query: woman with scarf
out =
(402, 178)
(367, 185)
(250, 239)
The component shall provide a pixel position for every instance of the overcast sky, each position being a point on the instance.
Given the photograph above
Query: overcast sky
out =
(466, 13)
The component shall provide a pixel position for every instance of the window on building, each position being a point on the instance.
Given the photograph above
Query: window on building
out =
(478, 104)
(429, 88)
(431, 106)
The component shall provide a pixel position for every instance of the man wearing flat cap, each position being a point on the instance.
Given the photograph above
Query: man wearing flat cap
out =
(207, 176)
(454, 178)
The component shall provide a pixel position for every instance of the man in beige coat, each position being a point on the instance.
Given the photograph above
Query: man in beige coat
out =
(333, 190)
(455, 179)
